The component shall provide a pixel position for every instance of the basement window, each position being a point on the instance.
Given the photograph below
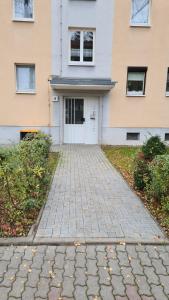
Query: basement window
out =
(166, 136)
(133, 136)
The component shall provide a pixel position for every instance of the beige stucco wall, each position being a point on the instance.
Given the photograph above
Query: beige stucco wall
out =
(23, 42)
(133, 46)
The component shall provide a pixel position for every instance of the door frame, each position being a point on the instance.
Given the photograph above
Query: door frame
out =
(80, 95)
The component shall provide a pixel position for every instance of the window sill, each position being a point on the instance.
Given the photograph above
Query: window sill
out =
(128, 95)
(24, 20)
(26, 92)
(81, 64)
(167, 94)
(141, 25)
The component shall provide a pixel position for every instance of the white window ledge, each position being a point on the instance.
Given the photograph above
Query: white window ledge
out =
(167, 94)
(81, 64)
(23, 20)
(135, 95)
(26, 92)
(140, 25)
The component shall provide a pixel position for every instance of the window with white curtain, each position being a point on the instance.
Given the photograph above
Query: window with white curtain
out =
(140, 12)
(81, 46)
(23, 9)
(136, 80)
(25, 78)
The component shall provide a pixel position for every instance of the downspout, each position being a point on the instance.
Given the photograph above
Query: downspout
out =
(61, 24)
(61, 70)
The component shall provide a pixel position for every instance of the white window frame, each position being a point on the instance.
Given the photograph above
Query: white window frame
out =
(134, 93)
(30, 20)
(25, 91)
(148, 24)
(81, 62)
(167, 92)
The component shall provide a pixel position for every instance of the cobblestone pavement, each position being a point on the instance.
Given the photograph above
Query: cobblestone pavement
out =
(90, 199)
(119, 272)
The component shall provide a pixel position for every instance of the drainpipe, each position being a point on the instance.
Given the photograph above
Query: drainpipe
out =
(61, 40)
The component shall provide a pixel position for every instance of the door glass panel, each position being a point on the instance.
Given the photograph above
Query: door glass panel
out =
(74, 111)
(79, 107)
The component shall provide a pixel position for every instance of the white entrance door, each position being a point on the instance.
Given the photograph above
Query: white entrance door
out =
(81, 120)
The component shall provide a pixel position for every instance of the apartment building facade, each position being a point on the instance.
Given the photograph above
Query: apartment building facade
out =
(84, 71)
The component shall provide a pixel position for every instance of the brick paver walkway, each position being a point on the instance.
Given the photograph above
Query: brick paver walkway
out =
(116, 272)
(90, 199)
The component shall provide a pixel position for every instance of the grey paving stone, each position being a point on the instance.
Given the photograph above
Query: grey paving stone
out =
(152, 252)
(28, 293)
(114, 267)
(80, 293)
(143, 287)
(54, 294)
(151, 275)
(70, 253)
(33, 278)
(80, 276)
(127, 274)
(106, 293)
(93, 286)
(91, 267)
(59, 261)
(68, 287)
(42, 288)
(118, 286)
(91, 252)
(69, 268)
(123, 259)
(159, 267)
(131, 251)
(80, 260)
(4, 291)
(136, 267)
(18, 287)
(102, 259)
(104, 277)
(132, 293)
(165, 283)
(158, 293)
(144, 259)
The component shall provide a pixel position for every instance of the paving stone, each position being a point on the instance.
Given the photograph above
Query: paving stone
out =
(47, 269)
(123, 259)
(165, 258)
(143, 287)
(7, 254)
(15, 261)
(8, 278)
(152, 252)
(4, 291)
(68, 287)
(136, 267)
(131, 251)
(158, 293)
(151, 275)
(70, 253)
(127, 274)
(147, 298)
(59, 261)
(165, 283)
(114, 267)
(61, 249)
(91, 267)
(3, 267)
(38, 261)
(100, 248)
(159, 267)
(118, 286)
(102, 259)
(43, 288)
(80, 293)
(104, 277)
(50, 253)
(18, 287)
(106, 293)
(54, 294)
(24, 268)
(91, 252)
(140, 248)
(28, 293)
(41, 249)
(80, 260)
(80, 276)
(33, 278)
(111, 252)
(81, 249)
(93, 286)
(29, 253)
(144, 258)
(132, 293)
(69, 268)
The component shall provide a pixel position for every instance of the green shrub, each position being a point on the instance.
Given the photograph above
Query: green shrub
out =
(24, 176)
(141, 173)
(158, 188)
(153, 147)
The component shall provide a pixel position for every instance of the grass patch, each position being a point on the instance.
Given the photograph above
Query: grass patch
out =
(122, 158)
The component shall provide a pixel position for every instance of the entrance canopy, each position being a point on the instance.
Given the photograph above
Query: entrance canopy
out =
(66, 83)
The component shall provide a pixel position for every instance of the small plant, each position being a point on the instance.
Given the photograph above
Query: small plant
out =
(153, 147)
(158, 188)
(141, 173)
